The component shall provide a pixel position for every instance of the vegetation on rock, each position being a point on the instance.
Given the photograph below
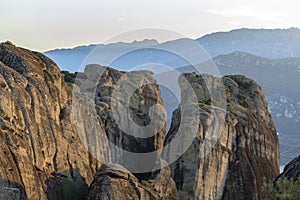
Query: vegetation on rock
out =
(69, 77)
(283, 189)
(8, 43)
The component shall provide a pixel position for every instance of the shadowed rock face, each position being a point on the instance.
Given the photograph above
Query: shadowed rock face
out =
(244, 150)
(40, 147)
(10, 193)
(291, 170)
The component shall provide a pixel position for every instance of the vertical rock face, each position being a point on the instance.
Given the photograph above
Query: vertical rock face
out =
(228, 161)
(131, 109)
(257, 146)
(41, 153)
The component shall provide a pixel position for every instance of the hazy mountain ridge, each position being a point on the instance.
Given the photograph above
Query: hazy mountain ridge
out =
(71, 59)
(268, 43)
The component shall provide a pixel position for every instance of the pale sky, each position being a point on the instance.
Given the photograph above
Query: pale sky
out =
(42, 25)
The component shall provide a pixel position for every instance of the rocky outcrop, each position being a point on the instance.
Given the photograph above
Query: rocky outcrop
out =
(55, 138)
(113, 181)
(52, 140)
(227, 159)
(291, 170)
(131, 109)
(41, 153)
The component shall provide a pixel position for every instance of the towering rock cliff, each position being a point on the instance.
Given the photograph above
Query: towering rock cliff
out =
(57, 140)
(131, 109)
(54, 137)
(41, 153)
(229, 161)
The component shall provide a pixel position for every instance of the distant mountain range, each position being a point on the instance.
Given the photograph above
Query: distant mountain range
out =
(275, 43)
(268, 43)
(125, 56)
(267, 56)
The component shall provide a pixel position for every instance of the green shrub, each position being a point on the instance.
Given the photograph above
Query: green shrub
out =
(68, 77)
(8, 43)
(284, 189)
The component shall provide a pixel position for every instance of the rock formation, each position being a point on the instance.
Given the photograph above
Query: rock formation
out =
(291, 170)
(238, 154)
(131, 109)
(41, 153)
(57, 140)
(49, 149)
(113, 181)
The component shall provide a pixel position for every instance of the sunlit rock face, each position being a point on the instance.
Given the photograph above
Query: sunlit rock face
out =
(41, 153)
(233, 149)
(54, 137)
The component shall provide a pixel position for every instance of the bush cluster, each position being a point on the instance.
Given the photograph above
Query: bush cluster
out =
(283, 189)
(8, 43)
(69, 77)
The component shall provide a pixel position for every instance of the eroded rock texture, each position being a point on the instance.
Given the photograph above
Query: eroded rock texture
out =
(112, 181)
(227, 159)
(41, 152)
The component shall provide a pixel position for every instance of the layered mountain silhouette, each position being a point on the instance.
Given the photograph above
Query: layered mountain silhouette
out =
(268, 43)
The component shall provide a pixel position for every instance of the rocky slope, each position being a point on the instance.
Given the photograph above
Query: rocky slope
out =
(116, 182)
(238, 154)
(291, 170)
